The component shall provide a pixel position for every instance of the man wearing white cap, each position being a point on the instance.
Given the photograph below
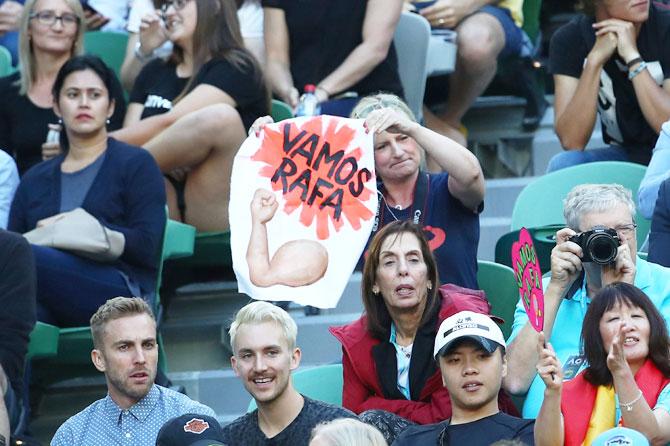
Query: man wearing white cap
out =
(470, 350)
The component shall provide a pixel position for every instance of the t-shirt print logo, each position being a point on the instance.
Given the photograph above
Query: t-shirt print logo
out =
(196, 426)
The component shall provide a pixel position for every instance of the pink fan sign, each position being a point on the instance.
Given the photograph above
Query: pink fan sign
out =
(529, 278)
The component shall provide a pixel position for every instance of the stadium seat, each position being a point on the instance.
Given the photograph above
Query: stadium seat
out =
(544, 240)
(411, 44)
(280, 110)
(6, 67)
(109, 46)
(540, 203)
(501, 290)
(323, 383)
(72, 355)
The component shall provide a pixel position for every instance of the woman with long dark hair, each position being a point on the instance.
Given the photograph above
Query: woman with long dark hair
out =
(191, 110)
(627, 381)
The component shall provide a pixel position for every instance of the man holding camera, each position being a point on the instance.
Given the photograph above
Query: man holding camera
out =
(597, 248)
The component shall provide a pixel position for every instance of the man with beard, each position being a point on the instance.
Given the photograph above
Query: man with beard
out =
(126, 351)
(470, 350)
(263, 338)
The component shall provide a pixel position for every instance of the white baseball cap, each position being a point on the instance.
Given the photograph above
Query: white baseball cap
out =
(468, 324)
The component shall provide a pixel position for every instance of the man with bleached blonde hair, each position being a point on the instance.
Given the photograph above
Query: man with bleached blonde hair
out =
(263, 339)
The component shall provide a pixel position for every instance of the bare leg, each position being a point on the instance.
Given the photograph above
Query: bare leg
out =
(4, 416)
(480, 40)
(205, 141)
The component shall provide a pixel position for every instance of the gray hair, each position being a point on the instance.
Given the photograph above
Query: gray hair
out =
(260, 312)
(586, 198)
(27, 60)
(349, 432)
(381, 100)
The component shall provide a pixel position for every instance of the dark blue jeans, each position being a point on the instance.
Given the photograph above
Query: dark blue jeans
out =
(70, 288)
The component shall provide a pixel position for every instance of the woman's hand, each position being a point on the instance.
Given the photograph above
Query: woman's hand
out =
(291, 96)
(152, 33)
(259, 124)
(548, 365)
(447, 13)
(616, 357)
(606, 44)
(263, 206)
(389, 120)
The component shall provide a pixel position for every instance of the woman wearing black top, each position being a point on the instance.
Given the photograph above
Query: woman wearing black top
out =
(190, 111)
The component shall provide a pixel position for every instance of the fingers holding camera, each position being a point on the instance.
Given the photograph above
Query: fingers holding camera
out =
(566, 261)
(623, 268)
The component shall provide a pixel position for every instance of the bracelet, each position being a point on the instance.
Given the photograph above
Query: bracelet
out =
(637, 71)
(629, 406)
(140, 55)
(633, 61)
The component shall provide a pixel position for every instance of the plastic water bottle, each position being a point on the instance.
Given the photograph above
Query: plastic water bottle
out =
(309, 104)
(53, 136)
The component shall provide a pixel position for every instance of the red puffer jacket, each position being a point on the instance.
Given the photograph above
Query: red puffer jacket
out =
(362, 390)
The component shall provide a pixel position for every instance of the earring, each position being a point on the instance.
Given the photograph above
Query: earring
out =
(375, 290)
(108, 121)
(430, 286)
(60, 121)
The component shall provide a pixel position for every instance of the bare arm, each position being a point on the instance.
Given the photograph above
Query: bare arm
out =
(636, 413)
(278, 65)
(263, 207)
(575, 100)
(381, 18)
(549, 430)
(140, 132)
(466, 180)
(522, 351)
(151, 35)
(654, 100)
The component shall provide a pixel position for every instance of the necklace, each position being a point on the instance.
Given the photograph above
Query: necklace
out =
(407, 351)
(388, 208)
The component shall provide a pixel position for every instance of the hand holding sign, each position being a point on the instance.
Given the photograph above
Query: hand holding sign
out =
(529, 278)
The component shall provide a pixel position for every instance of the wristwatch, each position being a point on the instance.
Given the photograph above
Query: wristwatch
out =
(140, 55)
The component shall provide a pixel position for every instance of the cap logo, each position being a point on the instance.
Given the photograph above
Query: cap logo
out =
(462, 324)
(619, 440)
(196, 426)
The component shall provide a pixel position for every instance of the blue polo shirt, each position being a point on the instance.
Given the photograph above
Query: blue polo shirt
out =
(651, 278)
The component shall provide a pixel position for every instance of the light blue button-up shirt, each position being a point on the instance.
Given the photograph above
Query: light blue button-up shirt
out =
(651, 278)
(9, 181)
(105, 423)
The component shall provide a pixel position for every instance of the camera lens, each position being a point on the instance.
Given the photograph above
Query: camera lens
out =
(602, 248)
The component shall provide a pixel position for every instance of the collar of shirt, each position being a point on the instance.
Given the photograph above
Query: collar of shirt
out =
(139, 410)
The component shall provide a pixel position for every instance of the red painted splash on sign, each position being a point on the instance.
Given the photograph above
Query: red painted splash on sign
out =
(317, 172)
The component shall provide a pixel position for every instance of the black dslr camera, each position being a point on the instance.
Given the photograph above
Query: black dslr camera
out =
(599, 245)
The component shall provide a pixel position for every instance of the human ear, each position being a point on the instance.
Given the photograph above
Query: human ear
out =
(98, 360)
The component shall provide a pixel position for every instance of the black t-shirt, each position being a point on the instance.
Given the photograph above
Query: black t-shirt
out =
(158, 84)
(621, 118)
(23, 125)
(245, 430)
(322, 34)
(500, 426)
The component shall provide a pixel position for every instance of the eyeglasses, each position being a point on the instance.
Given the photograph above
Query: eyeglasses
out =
(178, 5)
(625, 230)
(49, 18)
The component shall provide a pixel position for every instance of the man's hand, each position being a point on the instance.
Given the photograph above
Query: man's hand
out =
(10, 14)
(622, 270)
(447, 13)
(624, 32)
(566, 259)
(263, 206)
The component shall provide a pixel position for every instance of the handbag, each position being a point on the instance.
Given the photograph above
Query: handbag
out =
(82, 234)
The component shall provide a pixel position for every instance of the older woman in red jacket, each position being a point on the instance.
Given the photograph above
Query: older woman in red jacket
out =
(387, 353)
